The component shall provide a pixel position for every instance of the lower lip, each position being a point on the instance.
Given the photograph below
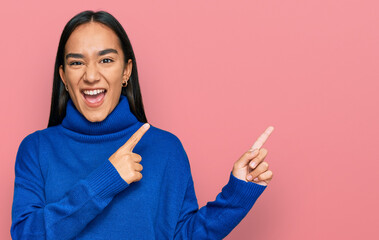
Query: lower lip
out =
(96, 104)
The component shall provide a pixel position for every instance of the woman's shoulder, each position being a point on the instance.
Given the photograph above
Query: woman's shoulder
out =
(168, 140)
(30, 138)
(29, 144)
(170, 143)
(164, 136)
(34, 137)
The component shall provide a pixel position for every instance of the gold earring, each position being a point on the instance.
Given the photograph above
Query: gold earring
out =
(123, 84)
(66, 87)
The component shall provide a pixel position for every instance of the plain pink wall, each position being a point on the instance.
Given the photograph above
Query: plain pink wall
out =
(216, 74)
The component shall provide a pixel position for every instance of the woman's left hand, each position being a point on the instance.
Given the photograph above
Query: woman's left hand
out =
(251, 166)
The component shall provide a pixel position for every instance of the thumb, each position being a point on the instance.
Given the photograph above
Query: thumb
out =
(246, 158)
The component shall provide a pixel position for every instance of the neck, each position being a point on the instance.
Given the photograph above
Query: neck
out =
(120, 118)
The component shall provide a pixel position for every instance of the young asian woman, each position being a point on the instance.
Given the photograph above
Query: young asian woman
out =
(101, 171)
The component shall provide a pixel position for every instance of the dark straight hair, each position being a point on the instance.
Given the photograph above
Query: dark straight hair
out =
(132, 91)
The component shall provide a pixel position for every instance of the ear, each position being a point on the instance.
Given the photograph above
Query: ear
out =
(127, 70)
(61, 73)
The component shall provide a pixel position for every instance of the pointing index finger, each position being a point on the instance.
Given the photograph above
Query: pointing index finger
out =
(136, 137)
(262, 139)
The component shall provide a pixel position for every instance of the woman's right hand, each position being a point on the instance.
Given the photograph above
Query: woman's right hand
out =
(125, 161)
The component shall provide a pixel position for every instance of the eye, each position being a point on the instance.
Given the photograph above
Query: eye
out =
(74, 63)
(107, 60)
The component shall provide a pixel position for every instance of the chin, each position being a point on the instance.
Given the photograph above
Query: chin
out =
(95, 117)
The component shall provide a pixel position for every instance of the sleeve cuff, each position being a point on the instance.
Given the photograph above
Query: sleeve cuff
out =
(105, 181)
(242, 193)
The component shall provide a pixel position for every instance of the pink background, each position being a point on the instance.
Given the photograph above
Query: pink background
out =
(216, 74)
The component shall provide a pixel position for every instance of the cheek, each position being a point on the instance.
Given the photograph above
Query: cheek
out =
(72, 77)
(113, 75)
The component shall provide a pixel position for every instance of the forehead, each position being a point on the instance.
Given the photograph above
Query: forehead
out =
(92, 37)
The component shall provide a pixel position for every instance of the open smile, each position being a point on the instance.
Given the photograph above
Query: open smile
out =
(93, 97)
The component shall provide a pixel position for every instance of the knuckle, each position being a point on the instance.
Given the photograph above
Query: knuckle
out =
(139, 167)
(136, 157)
(254, 174)
(263, 176)
(265, 165)
(127, 156)
(133, 140)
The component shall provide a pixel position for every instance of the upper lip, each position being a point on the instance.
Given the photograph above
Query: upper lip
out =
(89, 89)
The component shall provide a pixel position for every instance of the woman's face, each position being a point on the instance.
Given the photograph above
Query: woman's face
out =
(94, 70)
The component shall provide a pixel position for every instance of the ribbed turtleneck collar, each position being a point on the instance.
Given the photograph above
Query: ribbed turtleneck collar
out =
(120, 118)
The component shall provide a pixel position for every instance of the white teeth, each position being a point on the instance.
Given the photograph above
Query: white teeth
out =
(93, 92)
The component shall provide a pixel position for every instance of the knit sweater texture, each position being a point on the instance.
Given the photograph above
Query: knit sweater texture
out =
(66, 188)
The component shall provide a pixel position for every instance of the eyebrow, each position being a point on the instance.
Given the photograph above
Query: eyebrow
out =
(100, 53)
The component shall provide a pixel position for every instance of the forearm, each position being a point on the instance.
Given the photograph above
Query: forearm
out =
(64, 219)
(218, 218)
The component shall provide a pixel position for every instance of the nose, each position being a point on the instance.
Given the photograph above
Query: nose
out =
(91, 74)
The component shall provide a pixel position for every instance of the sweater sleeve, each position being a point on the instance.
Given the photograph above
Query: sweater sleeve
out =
(218, 218)
(33, 218)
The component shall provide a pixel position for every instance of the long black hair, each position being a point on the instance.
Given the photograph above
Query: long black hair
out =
(132, 91)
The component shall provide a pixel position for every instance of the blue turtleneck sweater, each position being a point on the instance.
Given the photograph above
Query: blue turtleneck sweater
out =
(66, 187)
